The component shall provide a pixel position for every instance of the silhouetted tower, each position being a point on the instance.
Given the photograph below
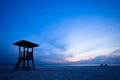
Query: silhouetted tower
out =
(25, 54)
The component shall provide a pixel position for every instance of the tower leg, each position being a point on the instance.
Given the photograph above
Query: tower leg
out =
(17, 65)
(28, 58)
(33, 64)
(24, 59)
(23, 64)
(27, 64)
(33, 59)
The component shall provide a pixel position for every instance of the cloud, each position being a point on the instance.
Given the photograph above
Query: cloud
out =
(50, 52)
(75, 40)
(78, 39)
(110, 58)
(87, 39)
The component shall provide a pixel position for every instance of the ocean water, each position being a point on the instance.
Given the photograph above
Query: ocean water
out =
(11, 66)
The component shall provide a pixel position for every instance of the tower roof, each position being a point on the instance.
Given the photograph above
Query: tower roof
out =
(25, 43)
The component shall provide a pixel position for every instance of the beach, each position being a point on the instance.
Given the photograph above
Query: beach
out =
(63, 73)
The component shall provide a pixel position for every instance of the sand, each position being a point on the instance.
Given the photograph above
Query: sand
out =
(62, 73)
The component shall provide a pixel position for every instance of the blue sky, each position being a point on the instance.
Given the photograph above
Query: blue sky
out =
(68, 31)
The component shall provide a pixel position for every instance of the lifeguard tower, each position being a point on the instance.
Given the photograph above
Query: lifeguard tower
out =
(25, 54)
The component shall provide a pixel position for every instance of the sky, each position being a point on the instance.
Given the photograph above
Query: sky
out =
(68, 31)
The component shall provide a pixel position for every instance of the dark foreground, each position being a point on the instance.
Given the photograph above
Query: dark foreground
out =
(63, 73)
